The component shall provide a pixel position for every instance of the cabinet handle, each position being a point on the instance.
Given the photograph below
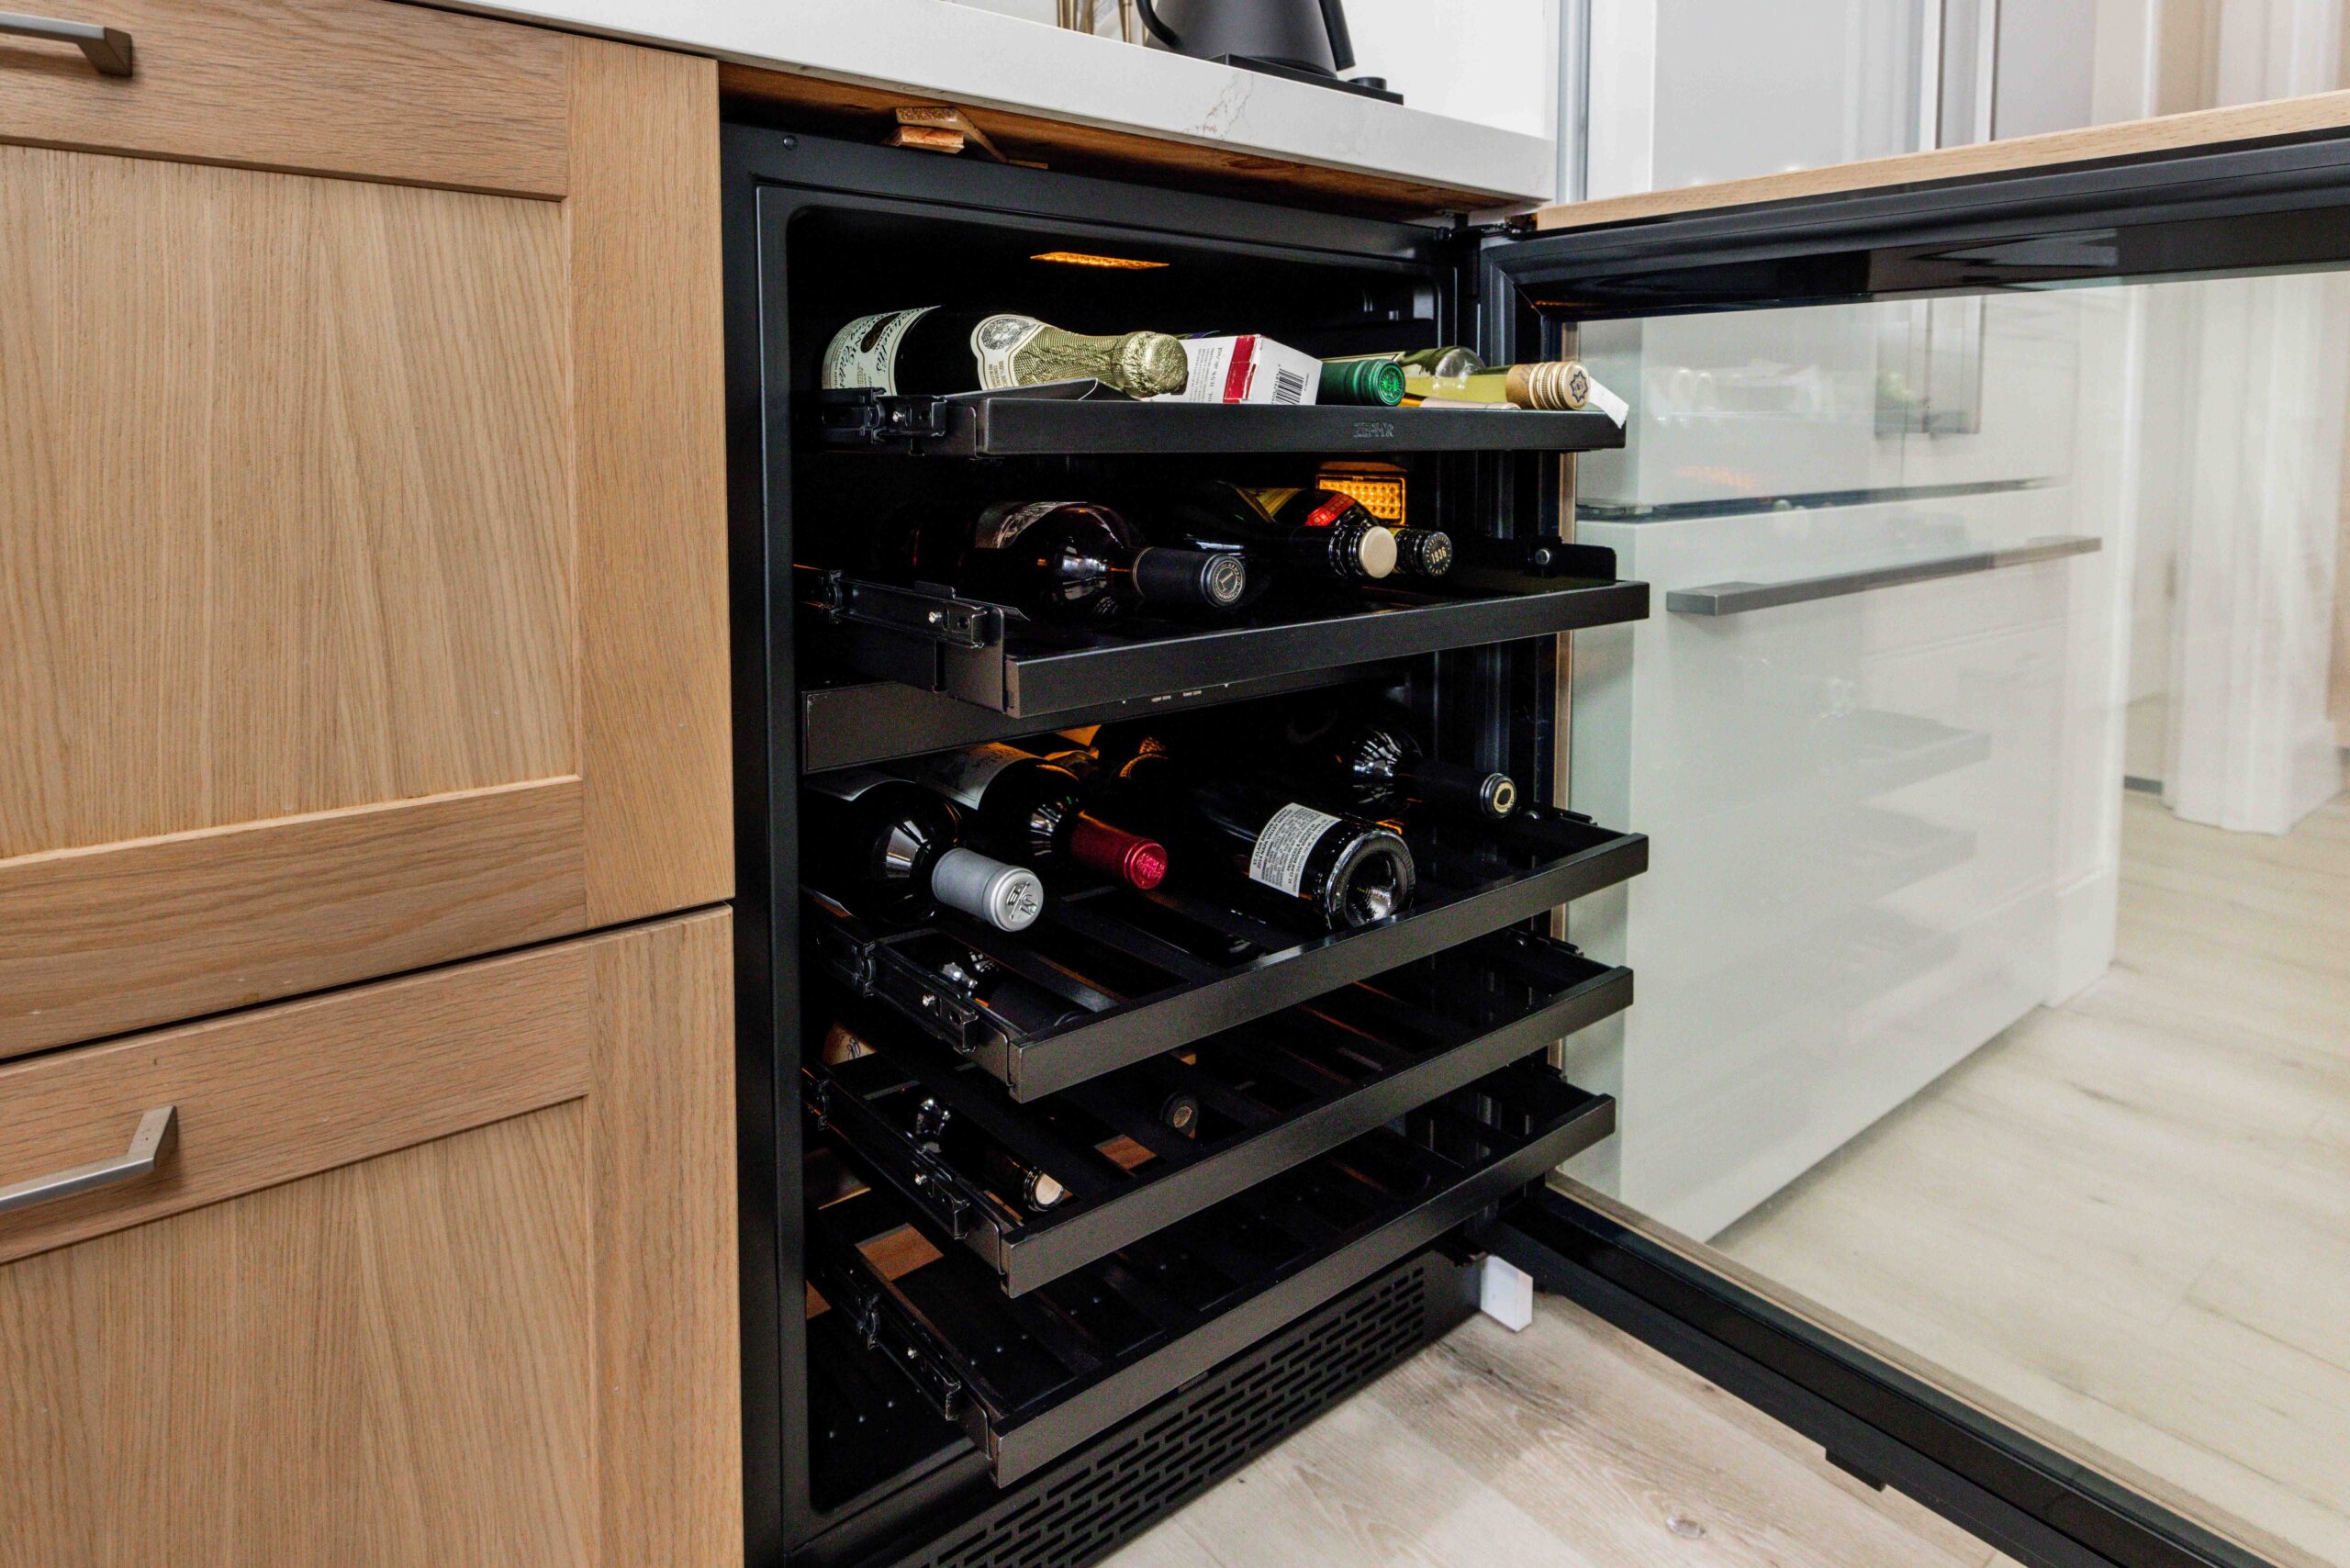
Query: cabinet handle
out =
(1738, 598)
(108, 48)
(150, 1146)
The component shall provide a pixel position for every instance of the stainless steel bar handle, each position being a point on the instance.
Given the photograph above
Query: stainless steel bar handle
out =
(1736, 599)
(150, 1146)
(108, 48)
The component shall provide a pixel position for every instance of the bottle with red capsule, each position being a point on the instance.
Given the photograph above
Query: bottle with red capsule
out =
(1029, 809)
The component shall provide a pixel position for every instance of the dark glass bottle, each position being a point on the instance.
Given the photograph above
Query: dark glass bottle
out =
(891, 849)
(939, 351)
(1026, 809)
(1252, 841)
(1309, 540)
(1180, 1112)
(1063, 562)
(1375, 760)
(1422, 551)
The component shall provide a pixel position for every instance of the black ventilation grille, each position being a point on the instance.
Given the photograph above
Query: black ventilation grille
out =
(1078, 1512)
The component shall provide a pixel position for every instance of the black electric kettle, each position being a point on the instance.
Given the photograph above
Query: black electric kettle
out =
(1288, 37)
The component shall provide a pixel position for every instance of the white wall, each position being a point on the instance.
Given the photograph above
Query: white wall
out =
(1492, 61)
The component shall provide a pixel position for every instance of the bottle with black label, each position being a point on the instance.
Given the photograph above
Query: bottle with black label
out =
(891, 849)
(1375, 760)
(1255, 842)
(1069, 563)
(1422, 551)
(939, 352)
(1027, 809)
(1311, 540)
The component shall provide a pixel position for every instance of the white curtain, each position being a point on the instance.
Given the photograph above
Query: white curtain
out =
(2251, 742)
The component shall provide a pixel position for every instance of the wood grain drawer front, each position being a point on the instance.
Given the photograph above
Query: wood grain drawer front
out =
(288, 1092)
(355, 88)
(362, 544)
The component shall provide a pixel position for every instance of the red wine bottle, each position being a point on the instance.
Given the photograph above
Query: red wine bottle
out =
(1068, 562)
(891, 849)
(1256, 844)
(1375, 760)
(1026, 809)
(1309, 540)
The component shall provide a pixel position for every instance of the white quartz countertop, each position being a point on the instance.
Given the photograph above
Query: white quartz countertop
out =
(976, 57)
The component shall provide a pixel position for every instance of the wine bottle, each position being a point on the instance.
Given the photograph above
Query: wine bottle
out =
(1422, 551)
(1376, 761)
(1372, 383)
(939, 352)
(1446, 360)
(1180, 1112)
(1035, 1190)
(893, 849)
(1067, 563)
(1028, 810)
(1263, 847)
(1310, 539)
(842, 1043)
(1022, 1005)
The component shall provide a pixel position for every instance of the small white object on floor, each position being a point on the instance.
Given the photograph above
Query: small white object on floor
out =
(1505, 1293)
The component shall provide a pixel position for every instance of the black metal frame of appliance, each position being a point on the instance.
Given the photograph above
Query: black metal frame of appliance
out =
(770, 176)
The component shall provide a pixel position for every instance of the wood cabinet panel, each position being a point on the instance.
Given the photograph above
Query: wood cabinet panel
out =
(354, 87)
(362, 544)
(386, 1363)
(287, 1091)
(441, 1271)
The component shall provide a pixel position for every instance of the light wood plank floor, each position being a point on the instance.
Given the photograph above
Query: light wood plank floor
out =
(2130, 1214)
(1568, 1446)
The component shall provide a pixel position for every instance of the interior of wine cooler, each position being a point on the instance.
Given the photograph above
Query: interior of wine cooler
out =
(1352, 1097)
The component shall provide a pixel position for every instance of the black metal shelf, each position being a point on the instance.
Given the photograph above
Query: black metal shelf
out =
(1111, 976)
(1270, 1095)
(1030, 1377)
(1010, 425)
(991, 657)
(878, 720)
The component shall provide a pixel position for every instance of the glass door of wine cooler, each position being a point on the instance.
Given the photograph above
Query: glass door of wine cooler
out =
(1985, 1112)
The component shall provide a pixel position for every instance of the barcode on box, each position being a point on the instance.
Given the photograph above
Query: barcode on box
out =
(1289, 386)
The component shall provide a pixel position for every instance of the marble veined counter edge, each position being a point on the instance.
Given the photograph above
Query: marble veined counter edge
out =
(973, 56)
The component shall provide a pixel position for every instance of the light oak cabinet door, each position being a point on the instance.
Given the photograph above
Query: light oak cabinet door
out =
(439, 1271)
(362, 598)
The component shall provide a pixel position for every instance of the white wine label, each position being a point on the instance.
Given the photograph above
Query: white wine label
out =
(964, 776)
(999, 526)
(848, 785)
(1279, 859)
(865, 353)
(996, 342)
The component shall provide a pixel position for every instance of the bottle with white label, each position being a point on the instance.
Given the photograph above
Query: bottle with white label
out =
(1067, 563)
(937, 352)
(1029, 808)
(1261, 847)
(891, 849)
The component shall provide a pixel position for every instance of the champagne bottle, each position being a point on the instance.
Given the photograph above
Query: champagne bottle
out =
(1256, 843)
(1375, 760)
(1068, 563)
(1311, 539)
(1028, 810)
(894, 850)
(938, 351)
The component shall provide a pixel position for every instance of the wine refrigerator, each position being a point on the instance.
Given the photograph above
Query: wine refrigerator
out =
(1055, 1214)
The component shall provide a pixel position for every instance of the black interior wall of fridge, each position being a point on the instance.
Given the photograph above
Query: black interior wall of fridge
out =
(817, 232)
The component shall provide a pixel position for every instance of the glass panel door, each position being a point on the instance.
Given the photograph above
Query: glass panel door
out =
(1987, 1104)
